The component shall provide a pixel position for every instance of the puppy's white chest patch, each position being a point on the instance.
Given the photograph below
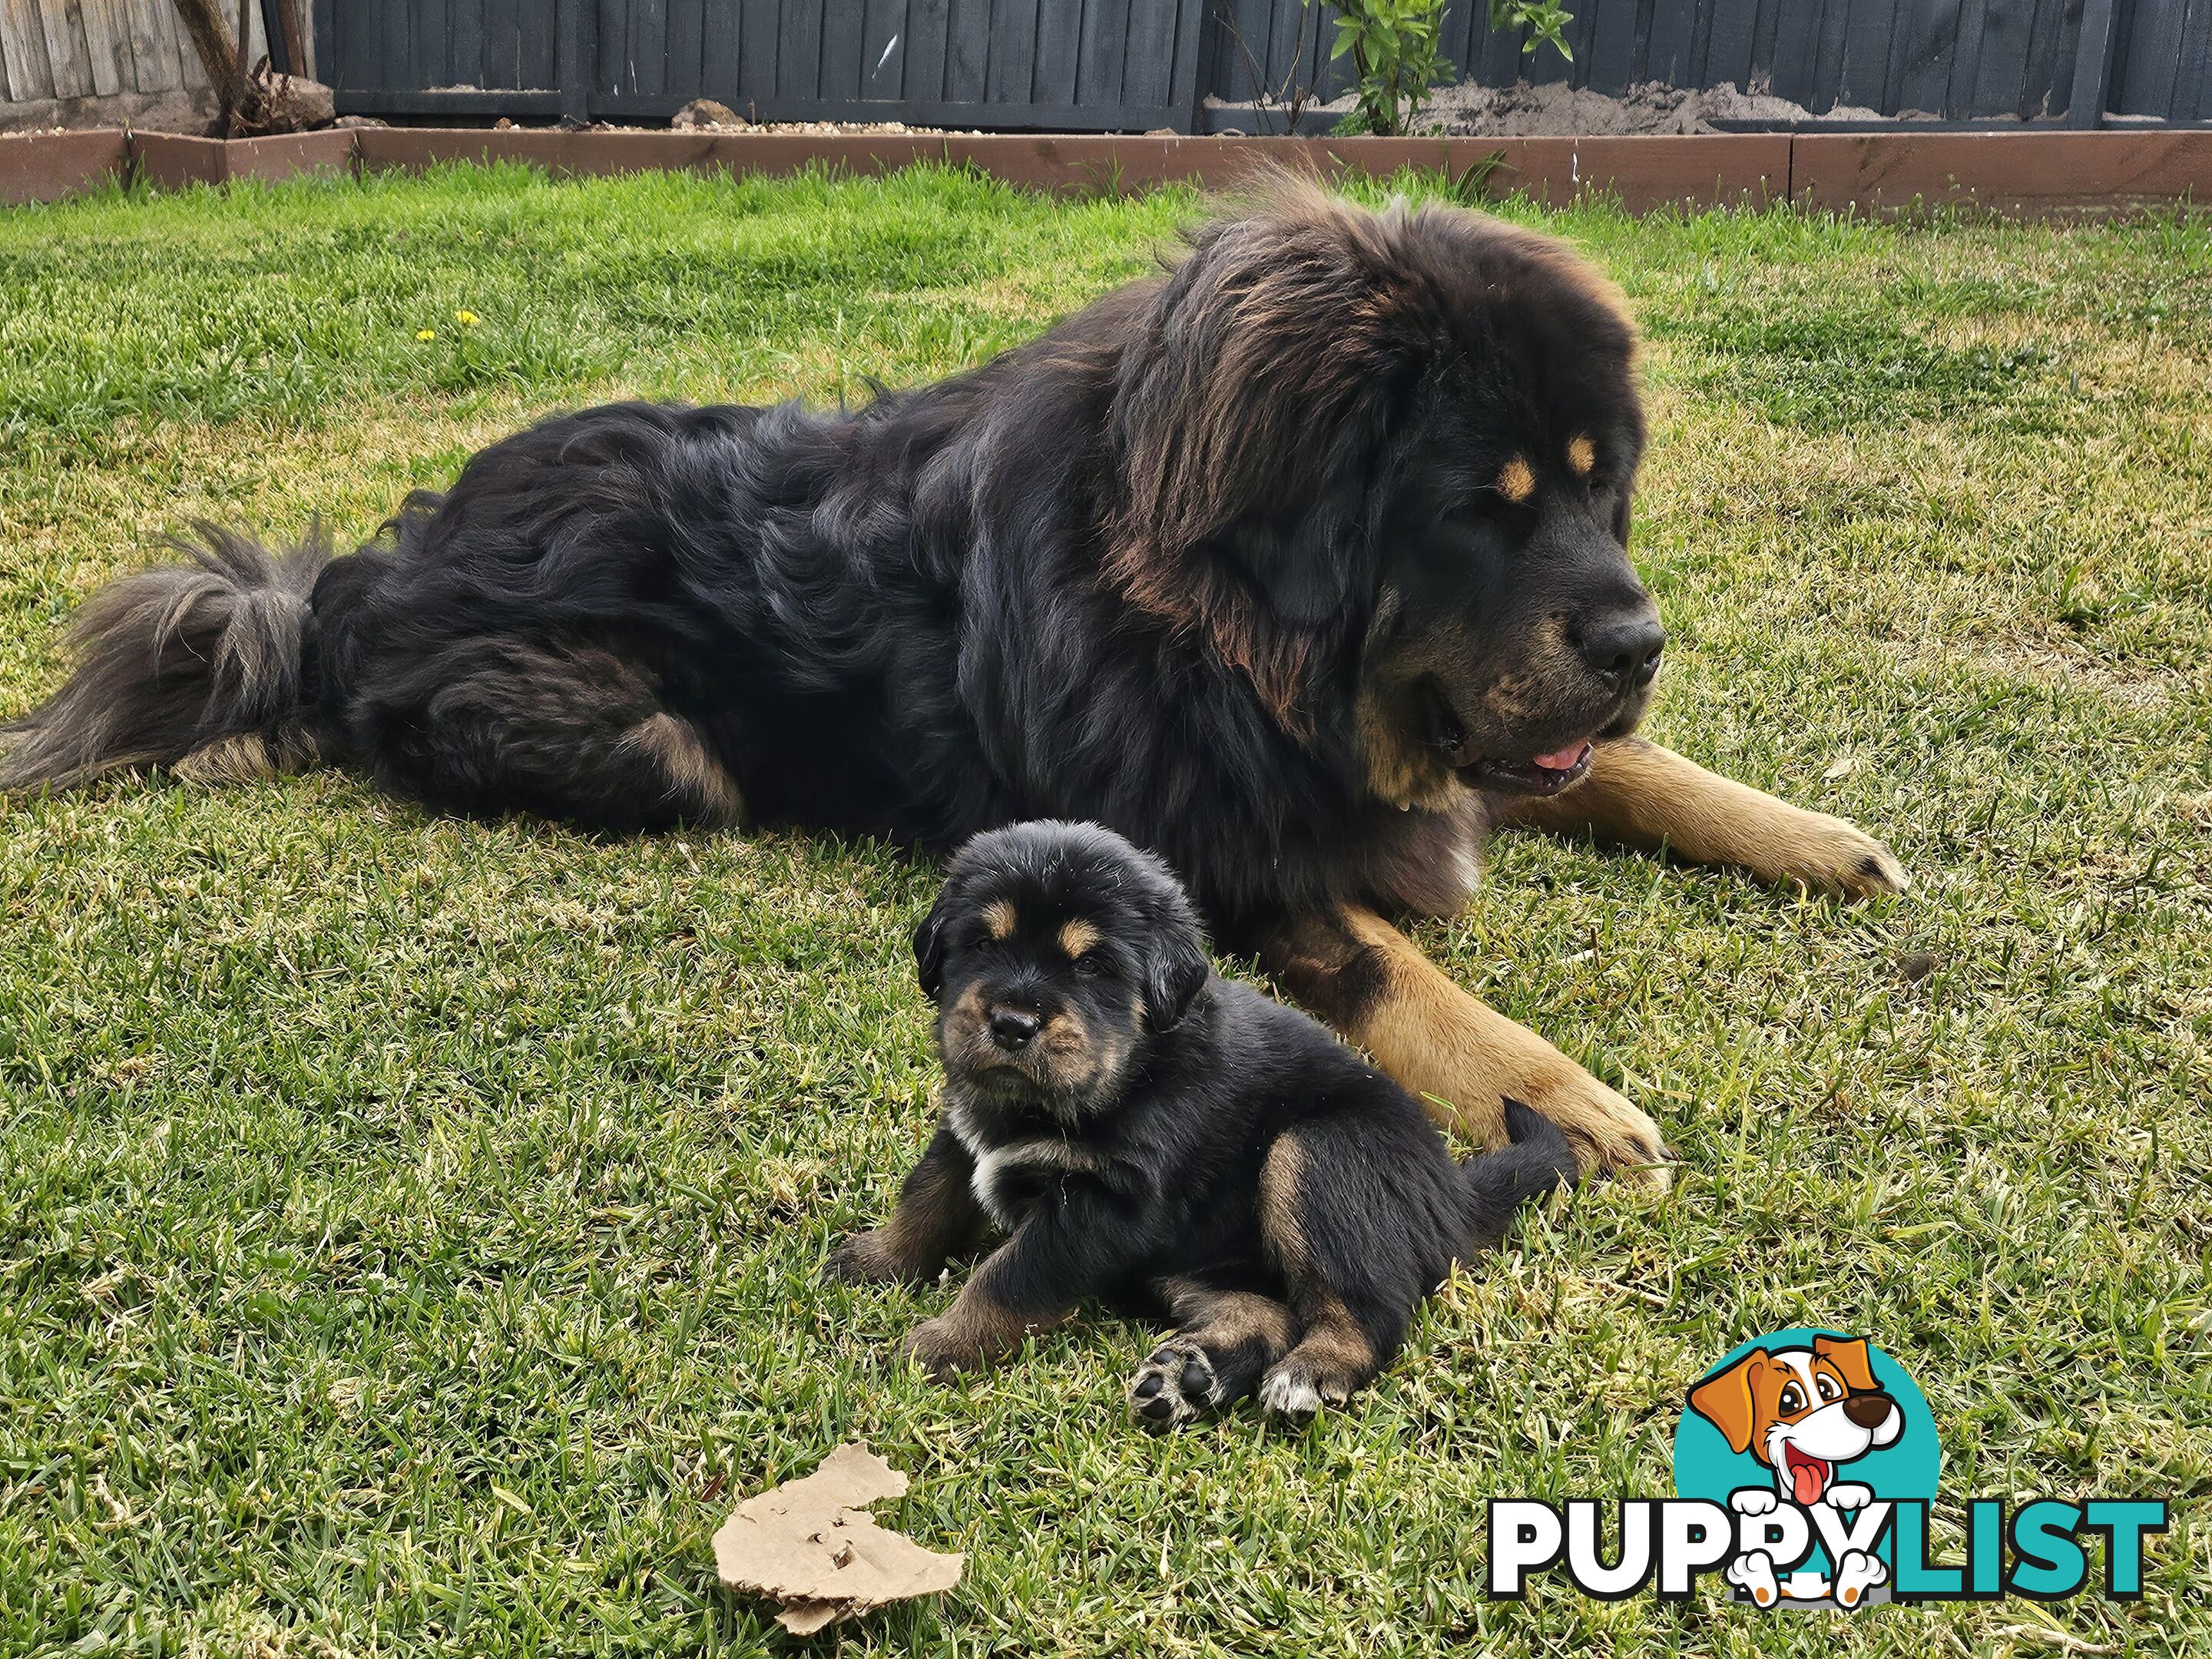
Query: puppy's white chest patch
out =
(1002, 1173)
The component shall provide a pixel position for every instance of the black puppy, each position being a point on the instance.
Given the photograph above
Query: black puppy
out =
(1148, 1134)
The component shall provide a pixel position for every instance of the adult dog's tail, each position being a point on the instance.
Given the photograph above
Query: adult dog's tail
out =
(201, 668)
(1538, 1160)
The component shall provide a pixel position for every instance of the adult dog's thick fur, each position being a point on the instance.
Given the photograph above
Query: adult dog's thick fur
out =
(1143, 1132)
(1302, 564)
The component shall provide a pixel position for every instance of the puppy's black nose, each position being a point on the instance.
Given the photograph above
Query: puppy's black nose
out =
(1621, 647)
(1869, 1409)
(1012, 1028)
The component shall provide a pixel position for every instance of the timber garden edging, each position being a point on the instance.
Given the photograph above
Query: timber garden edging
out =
(2021, 175)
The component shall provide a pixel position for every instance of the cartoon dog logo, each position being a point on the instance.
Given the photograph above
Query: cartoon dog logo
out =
(1804, 1413)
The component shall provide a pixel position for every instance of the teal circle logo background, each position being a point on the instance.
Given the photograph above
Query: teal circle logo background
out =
(1908, 1467)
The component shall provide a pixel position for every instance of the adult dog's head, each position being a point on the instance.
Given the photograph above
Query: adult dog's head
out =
(1384, 461)
(1056, 952)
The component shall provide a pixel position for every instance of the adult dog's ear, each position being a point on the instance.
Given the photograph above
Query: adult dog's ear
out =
(929, 946)
(1251, 410)
(1175, 971)
(1724, 1399)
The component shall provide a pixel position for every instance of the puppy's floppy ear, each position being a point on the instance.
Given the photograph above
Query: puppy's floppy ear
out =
(1175, 970)
(929, 945)
(1250, 415)
(1849, 1358)
(1724, 1399)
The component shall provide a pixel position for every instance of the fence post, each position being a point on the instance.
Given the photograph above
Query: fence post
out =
(2093, 66)
(579, 23)
(1200, 35)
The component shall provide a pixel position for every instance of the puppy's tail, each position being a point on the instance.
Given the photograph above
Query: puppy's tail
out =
(201, 668)
(1538, 1160)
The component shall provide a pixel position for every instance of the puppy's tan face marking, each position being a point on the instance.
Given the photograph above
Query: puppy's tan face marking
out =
(1080, 1043)
(1517, 482)
(1582, 454)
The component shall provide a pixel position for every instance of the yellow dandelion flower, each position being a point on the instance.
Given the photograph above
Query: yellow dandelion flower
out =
(465, 319)
(425, 333)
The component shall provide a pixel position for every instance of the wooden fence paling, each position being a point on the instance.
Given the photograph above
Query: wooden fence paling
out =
(2092, 65)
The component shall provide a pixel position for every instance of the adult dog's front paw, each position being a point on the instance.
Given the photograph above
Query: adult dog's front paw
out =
(1611, 1134)
(1829, 855)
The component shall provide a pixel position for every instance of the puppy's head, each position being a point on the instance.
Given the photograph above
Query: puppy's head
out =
(1055, 953)
(1801, 1411)
(1385, 460)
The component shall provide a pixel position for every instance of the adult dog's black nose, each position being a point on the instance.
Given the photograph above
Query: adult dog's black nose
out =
(1012, 1028)
(1868, 1410)
(1622, 647)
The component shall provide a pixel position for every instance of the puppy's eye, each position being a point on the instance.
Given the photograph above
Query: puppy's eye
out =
(1829, 1387)
(1792, 1399)
(1093, 964)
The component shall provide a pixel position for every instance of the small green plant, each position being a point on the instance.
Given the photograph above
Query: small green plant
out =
(1394, 49)
(1542, 19)
(1395, 54)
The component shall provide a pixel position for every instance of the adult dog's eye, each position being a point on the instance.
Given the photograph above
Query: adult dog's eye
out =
(1092, 966)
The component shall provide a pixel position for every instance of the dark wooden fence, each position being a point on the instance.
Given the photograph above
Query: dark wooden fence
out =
(1094, 65)
(1134, 65)
(1953, 59)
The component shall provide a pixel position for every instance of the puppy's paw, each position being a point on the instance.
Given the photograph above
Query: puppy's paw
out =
(1177, 1385)
(868, 1258)
(1829, 855)
(1752, 1500)
(1849, 1495)
(1858, 1573)
(946, 1350)
(1300, 1384)
(1753, 1573)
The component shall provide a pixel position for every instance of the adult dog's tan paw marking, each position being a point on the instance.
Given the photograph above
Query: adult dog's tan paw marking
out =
(1610, 1133)
(1832, 856)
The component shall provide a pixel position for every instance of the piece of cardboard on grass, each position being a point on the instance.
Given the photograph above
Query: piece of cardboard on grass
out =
(811, 1545)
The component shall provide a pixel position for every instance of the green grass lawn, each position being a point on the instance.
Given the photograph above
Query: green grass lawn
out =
(409, 1229)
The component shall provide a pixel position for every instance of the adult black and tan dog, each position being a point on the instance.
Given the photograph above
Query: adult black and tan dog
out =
(1152, 1136)
(1303, 564)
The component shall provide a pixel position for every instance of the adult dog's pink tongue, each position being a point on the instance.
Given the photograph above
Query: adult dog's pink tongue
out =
(1563, 759)
(1806, 1478)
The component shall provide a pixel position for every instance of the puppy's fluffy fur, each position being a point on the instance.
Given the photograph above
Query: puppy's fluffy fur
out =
(1144, 1133)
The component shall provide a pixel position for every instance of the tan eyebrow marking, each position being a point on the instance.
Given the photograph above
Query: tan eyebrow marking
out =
(1582, 454)
(1514, 481)
(999, 919)
(1077, 936)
